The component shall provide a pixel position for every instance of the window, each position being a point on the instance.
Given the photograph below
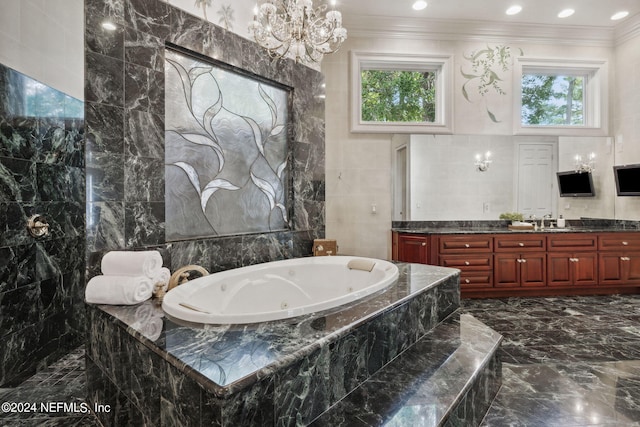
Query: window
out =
(400, 93)
(561, 98)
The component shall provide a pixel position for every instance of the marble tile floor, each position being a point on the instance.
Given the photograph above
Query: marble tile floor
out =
(61, 383)
(567, 361)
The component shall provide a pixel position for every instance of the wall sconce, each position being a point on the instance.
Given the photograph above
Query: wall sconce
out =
(585, 165)
(483, 163)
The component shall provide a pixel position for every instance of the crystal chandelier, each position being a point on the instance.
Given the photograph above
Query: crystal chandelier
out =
(294, 29)
(587, 165)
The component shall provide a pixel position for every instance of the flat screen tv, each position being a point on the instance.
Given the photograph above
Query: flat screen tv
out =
(627, 180)
(575, 184)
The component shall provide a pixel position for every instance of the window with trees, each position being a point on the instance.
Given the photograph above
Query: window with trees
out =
(400, 93)
(561, 98)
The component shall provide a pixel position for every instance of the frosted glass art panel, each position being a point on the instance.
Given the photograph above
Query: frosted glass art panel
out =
(226, 151)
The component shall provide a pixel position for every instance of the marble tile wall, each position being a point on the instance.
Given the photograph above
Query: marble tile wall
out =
(41, 172)
(124, 94)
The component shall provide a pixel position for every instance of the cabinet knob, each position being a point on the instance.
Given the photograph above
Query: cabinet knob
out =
(466, 245)
(625, 243)
(625, 258)
(466, 263)
(467, 281)
(524, 260)
(424, 244)
(520, 244)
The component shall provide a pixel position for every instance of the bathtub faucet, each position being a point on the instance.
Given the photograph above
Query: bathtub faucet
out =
(182, 275)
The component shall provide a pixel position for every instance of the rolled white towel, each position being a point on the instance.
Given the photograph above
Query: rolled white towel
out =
(118, 290)
(163, 276)
(131, 263)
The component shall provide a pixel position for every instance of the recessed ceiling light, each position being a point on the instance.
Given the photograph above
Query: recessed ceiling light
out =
(566, 13)
(419, 5)
(619, 15)
(514, 10)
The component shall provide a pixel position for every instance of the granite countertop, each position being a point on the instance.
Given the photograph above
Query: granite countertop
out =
(504, 230)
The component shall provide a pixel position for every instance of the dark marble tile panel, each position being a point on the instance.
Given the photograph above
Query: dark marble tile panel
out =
(54, 257)
(98, 11)
(181, 402)
(18, 135)
(144, 49)
(17, 266)
(20, 308)
(144, 135)
(19, 355)
(191, 32)
(148, 17)
(58, 182)
(104, 80)
(143, 179)
(105, 129)
(100, 390)
(105, 226)
(17, 180)
(260, 248)
(253, 407)
(13, 216)
(144, 89)
(302, 392)
(146, 382)
(103, 41)
(144, 223)
(105, 177)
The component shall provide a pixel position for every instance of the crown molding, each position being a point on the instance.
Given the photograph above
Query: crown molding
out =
(469, 30)
(628, 29)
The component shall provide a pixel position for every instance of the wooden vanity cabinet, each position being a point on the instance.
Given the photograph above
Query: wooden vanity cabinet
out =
(572, 259)
(472, 255)
(413, 248)
(520, 261)
(619, 259)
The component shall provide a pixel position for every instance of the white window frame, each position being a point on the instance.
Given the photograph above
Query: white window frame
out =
(442, 65)
(596, 95)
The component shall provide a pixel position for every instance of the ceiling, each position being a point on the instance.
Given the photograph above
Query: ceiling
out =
(587, 12)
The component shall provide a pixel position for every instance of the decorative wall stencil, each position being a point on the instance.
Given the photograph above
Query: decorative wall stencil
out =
(226, 167)
(485, 65)
(204, 4)
(226, 18)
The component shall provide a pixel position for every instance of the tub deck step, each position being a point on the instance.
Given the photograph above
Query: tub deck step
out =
(448, 378)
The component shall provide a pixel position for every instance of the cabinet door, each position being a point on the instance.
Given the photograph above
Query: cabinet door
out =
(533, 269)
(566, 269)
(506, 271)
(611, 266)
(412, 248)
(585, 268)
(559, 269)
(632, 273)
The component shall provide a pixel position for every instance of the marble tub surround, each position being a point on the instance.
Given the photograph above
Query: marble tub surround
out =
(41, 172)
(448, 378)
(125, 104)
(276, 373)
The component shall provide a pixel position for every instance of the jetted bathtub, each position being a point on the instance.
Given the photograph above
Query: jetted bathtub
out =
(278, 290)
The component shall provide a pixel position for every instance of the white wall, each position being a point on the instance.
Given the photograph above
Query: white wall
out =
(627, 118)
(44, 39)
(363, 160)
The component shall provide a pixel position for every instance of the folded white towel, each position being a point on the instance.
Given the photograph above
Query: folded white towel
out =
(163, 276)
(127, 290)
(131, 263)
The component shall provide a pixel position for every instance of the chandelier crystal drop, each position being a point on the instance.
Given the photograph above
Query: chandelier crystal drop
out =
(295, 29)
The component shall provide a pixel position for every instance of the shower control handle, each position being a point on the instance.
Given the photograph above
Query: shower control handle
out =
(37, 226)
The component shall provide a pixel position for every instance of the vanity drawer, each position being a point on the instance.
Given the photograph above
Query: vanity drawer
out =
(619, 241)
(465, 244)
(572, 242)
(467, 262)
(509, 243)
(476, 279)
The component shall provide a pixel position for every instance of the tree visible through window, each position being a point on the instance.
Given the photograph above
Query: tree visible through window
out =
(553, 100)
(398, 96)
